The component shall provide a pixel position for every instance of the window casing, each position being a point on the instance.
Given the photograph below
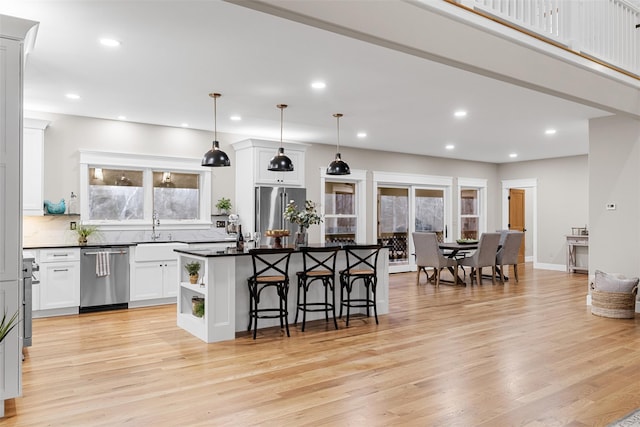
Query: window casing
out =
(124, 190)
(472, 210)
(343, 207)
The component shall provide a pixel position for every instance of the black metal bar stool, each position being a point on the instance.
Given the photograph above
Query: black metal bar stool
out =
(319, 266)
(270, 270)
(362, 265)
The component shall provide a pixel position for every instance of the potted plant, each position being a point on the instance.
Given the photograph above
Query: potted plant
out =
(84, 231)
(224, 205)
(6, 325)
(193, 268)
(304, 218)
(197, 306)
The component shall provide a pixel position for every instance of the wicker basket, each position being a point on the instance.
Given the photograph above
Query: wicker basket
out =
(616, 305)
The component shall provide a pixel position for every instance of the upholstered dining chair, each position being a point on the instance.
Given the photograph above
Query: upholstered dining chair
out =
(428, 254)
(485, 256)
(508, 253)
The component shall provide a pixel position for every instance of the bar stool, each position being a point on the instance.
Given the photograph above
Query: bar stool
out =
(319, 266)
(270, 270)
(362, 265)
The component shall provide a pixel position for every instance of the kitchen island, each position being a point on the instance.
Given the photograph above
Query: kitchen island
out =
(223, 285)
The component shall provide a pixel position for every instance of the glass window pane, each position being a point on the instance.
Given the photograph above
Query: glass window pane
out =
(468, 202)
(342, 230)
(469, 228)
(176, 195)
(115, 194)
(340, 198)
(430, 210)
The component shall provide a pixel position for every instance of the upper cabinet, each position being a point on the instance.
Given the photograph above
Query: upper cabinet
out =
(252, 160)
(33, 170)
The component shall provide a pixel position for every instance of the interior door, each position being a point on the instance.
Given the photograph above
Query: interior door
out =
(516, 215)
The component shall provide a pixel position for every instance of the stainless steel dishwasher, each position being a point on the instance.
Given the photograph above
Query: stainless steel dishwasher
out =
(100, 291)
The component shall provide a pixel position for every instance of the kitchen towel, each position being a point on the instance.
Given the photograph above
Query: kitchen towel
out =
(102, 264)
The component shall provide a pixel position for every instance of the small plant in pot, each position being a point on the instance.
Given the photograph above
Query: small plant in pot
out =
(193, 268)
(224, 205)
(84, 231)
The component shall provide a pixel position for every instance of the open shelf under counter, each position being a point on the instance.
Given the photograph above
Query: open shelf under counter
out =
(219, 293)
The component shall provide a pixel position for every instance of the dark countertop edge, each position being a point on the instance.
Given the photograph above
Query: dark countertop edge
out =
(112, 244)
(210, 253)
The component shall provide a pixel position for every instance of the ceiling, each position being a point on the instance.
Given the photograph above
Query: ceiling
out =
(174, 53)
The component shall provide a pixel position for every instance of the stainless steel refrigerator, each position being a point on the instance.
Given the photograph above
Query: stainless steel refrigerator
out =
(270, 205)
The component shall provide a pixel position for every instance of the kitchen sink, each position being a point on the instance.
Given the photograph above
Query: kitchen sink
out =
(157, 250)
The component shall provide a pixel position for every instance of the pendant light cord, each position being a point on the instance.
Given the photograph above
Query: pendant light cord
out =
(215, 121)
(281, 124)
(338, 126)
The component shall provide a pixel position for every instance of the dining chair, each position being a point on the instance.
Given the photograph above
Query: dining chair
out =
(270, 270)
(428, 254)
(485, 256)
(508, 253)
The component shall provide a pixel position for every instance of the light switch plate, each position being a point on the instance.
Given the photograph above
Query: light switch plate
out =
(611, 206)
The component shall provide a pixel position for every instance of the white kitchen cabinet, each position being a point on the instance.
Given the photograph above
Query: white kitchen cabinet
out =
(252, 160)
(33, 171)
(13, 33)
(154, 279)
(154, 269)
(59, 278)
(264, 176)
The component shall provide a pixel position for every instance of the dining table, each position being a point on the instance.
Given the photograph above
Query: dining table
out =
(456, 250)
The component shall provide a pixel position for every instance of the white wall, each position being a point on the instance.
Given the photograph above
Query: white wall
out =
(614, 146)
(563, 200)
(562, 183)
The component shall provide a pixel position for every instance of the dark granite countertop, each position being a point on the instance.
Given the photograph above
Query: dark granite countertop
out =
(112, 244)
(210, 253)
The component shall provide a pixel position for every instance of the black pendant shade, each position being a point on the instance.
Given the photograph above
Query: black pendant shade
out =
(280, 162)
(338, 167)
(215, 157)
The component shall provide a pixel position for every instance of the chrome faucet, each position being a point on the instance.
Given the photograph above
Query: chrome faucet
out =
(155, 223)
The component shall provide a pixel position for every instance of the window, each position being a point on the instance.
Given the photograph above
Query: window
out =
(343, 201)
(127, 189)
(472, 209)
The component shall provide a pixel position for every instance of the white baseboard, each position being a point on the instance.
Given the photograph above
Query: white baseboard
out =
(545, 266)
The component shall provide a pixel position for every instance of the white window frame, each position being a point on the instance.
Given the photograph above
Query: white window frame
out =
(473, 184)
(148, 164)
(359, 178)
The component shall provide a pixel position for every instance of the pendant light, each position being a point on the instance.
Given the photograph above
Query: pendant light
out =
(215, 157)
(280, 162)
(338, 167)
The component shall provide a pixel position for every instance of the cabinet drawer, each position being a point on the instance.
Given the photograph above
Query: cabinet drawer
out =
(59, 255)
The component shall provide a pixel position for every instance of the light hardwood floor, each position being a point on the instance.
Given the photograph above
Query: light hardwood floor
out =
(527, 354)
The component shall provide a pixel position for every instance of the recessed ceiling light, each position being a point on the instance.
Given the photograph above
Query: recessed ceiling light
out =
(72, 96)
(361, 134)
(450, 146)
(236, 118)
(109, 42)
(122, 117)
(185, 125)
(550, 131)
(318, 85)
(460, 113)
(513, 155)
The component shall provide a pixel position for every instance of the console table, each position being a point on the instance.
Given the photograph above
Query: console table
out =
(575, 241)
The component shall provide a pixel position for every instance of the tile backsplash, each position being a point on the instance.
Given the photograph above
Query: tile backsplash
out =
(55, 230)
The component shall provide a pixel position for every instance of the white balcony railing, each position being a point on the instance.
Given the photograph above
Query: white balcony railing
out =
(604, 30)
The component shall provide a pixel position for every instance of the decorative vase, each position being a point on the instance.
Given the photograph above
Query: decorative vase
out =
(82, 240)
(193, 278)
(301, 237)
